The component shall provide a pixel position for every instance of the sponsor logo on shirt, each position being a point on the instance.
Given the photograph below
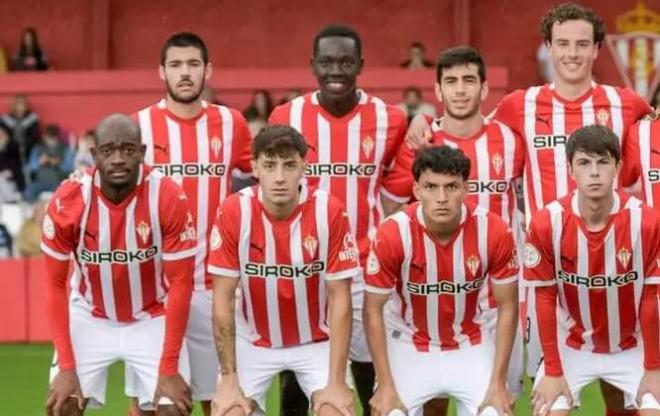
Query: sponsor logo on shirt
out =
(597, 281)
(192, 169)
(491, 187)
(341, 169)
(445, 287)
(118, 256)
(549, 141)
(653, 175)
(283, 271)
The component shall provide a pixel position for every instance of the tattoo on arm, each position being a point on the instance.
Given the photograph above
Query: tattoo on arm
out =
(224, 334)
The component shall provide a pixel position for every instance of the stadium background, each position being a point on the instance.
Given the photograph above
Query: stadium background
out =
(104, 56)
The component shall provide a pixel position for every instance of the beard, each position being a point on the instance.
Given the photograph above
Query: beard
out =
(184, 100)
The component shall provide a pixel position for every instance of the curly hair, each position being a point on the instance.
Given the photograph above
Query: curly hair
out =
(572, 11)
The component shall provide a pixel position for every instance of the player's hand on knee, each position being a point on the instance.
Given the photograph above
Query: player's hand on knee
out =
(500, 398)
(650, 384)
(338, 396)
(64, 386)
(419, 133)
(384, 400)
(547, 391)
(228, 396)
(174, 388)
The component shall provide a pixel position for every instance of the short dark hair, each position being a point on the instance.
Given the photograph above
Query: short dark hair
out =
(278, 140)
(594, 140)
(572, 11)
(441, 159)
(418, 45)
(182, 40)
(460, 55)
(341, 31)
(52, 130)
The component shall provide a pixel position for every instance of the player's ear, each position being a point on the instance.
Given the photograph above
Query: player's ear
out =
(569, 165)
(416, 190)
(255, 171)
(438, 92)
(208, 70)
(161, 72)
(485, 89)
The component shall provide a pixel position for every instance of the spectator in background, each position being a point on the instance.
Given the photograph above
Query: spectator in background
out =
(49, 164)
(23, 124)
(545, 66)
(84, 158)
(12, 181)
(290, 95)
(417, 58)
(28, 239)
(6, 243)
(258, 111)
(414, 104)
(30, 57)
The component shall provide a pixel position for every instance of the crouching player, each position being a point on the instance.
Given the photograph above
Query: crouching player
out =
(595, 255)
(290, 250)
(129, 231)
(430, 261)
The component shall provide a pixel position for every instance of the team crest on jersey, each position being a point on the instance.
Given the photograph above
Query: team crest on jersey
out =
(624, 256)
(216, 145)
(531, 256)
(215, 239)
(473, 263)
(310, 243)
(497, 162)
(368, 146)
(373, 265)
(48, 227)
(603, 117)
(143, 230)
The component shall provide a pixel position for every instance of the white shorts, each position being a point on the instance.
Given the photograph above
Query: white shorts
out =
(98, 343)
(256, 367)
(623, 370)
(516, 362)
(359, 349)
(463, 374)
(201, 346)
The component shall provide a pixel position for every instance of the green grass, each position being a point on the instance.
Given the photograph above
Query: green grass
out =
(24, 381)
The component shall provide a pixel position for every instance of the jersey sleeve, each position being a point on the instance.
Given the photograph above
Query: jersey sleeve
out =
(638, 106)
(61, 224)
(343, 254)
(383, 268)
(223, 244)
(280, 115)
(509, 111)
(631, 167)
(502, 256)
(651, 245)
(177, 225)
(538, 260)
(242, 145)
(398, 182)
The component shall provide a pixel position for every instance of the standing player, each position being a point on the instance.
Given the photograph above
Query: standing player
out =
(596, 254)
(352, 136)
(290, 250)
(198, 144)
(495, 152)
(428, 264)
(545, 116)
(642, 160)
(128, 229)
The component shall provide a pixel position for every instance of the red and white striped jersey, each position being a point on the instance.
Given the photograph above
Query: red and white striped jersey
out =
(641, 158)
(199, 154)
(436, 286)
(348, 156)
(599, 275)
(496, 154)
(283, 265)
(545, 121)
(119, 249)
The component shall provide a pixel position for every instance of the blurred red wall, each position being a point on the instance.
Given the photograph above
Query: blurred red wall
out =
(279, 33)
